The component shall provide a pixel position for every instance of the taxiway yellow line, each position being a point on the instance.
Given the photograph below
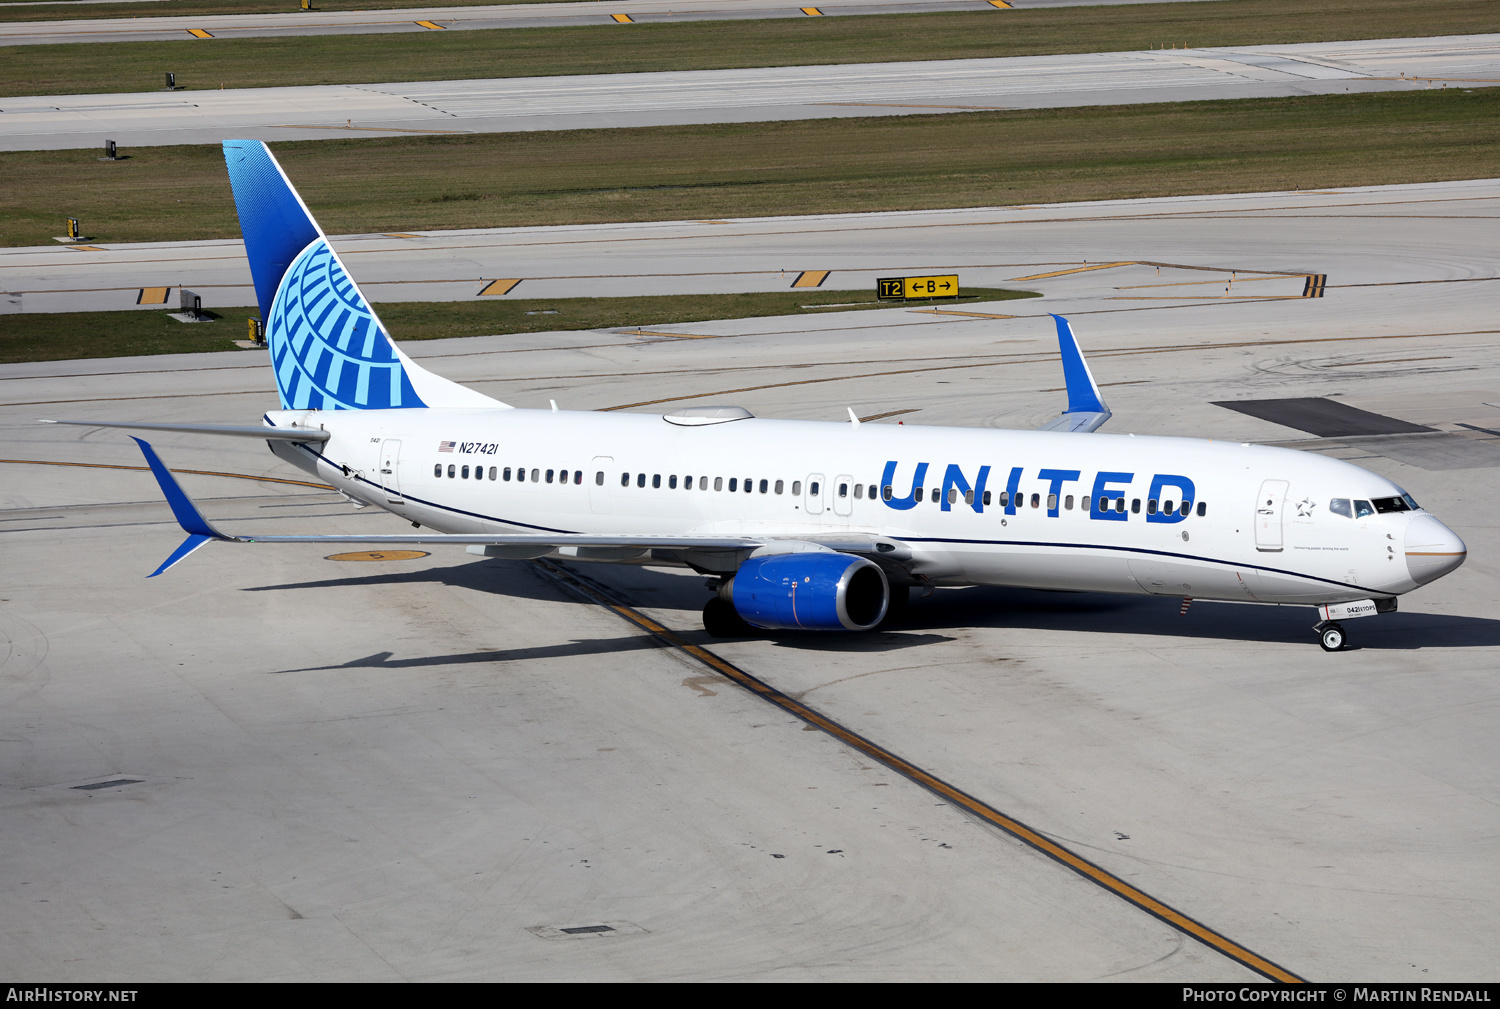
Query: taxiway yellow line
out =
(1015, 828)
(146, 469)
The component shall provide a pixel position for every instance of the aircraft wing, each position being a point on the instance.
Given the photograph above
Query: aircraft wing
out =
(238, 430)
(584, 546)
(1086, 410)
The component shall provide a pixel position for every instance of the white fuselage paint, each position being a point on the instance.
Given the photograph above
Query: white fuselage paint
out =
(1311, 556)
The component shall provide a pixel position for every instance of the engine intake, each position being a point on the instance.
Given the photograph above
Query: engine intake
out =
(810, 592)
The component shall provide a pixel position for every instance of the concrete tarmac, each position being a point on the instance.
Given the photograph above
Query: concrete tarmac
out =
(420, 769)
(751, 95)
(424, 19)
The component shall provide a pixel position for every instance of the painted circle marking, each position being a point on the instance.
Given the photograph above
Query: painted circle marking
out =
(379, 555)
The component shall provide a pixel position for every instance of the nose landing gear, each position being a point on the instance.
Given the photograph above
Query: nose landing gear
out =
(1331, 636)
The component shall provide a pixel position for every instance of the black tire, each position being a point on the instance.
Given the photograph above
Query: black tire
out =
(1333, 638)
(721, 620)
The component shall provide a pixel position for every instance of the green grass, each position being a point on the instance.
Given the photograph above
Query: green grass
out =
(76, 335)
(757, 169)
(12, 10)
(527, 52)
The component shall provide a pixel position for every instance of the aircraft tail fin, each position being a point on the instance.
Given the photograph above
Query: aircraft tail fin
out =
(328, 347)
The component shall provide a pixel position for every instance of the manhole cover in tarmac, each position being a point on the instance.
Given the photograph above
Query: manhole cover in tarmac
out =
(586, 930)
(378, 555)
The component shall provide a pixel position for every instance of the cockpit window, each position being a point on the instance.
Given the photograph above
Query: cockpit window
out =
(1363, 508)
(1411, 502)
(1385, 505)
(1341, 506)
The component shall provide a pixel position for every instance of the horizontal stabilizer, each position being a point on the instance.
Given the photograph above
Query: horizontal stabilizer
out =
(1086, 410)
(235, 430)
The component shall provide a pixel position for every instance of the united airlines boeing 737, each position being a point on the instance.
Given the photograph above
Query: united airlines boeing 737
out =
(800, 525)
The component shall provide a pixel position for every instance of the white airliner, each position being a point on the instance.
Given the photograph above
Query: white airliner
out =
(801, 525)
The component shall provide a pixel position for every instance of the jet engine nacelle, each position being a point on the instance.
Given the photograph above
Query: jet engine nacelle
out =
(810, 592)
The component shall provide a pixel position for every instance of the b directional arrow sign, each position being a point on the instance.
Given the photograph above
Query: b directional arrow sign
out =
(911, 288)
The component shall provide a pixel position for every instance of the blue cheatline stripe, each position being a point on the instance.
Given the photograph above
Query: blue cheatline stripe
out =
(906, 539)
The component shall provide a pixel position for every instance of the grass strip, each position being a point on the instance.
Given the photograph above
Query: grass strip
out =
(764, 169)
(13, 10)
(707, 45)
(75, 335)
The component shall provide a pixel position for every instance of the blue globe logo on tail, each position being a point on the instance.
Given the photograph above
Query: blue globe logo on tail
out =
(328, 349)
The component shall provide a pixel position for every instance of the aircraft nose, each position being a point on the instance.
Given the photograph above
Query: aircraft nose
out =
(1432, 549)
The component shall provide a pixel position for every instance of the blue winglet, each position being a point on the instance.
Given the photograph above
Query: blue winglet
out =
(198, 528)
(1083, 391)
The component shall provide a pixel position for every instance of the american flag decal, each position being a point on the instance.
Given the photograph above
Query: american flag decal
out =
(446, 446)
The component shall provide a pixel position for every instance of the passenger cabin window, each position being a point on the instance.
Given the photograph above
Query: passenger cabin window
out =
(718, 483)
(672, 482)
(779, 486)
(687, 483)
(1083, 503)
(599, 479)
(1068, 503)
(734, 484)
(535, 475)
(1151, 507)
(764, 486)
(749, 484)
(986, 497)
(437, 470)
(492, 473)
(1052, 502)
(812, 488)
(1202, 508)
(549, 475)
(520, 475)
(703, 483)
(656, 481)
(937, 495)
(1135, 506)
(873, 492)
(859, 492)
(796, 488)
(450, 471)
(1036, 500)
(968, 497)
(640, 479)
(885, 494)
(1363, 508)
(1341, 506)
(843, 489)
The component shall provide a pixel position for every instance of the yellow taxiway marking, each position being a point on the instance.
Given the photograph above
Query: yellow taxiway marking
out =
(87, 248)
(499, 287)
(432, 27)
(398, 234)
(949, 311)
(1001, 4)
(379, 555)
(598, 594)
(199, 33)
(147, 469)
(812, 12)
(811, 278)
(623, 19)
(1064, 273)
(680, 336)
(153, 296)
(1199, 283)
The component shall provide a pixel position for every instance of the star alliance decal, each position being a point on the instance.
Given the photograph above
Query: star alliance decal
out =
(1305, 508)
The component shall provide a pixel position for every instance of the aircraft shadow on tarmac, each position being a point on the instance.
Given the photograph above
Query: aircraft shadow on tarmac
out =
(947, 610)
(1155, 616)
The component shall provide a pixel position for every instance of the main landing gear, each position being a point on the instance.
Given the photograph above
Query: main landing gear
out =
(1331, 636)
